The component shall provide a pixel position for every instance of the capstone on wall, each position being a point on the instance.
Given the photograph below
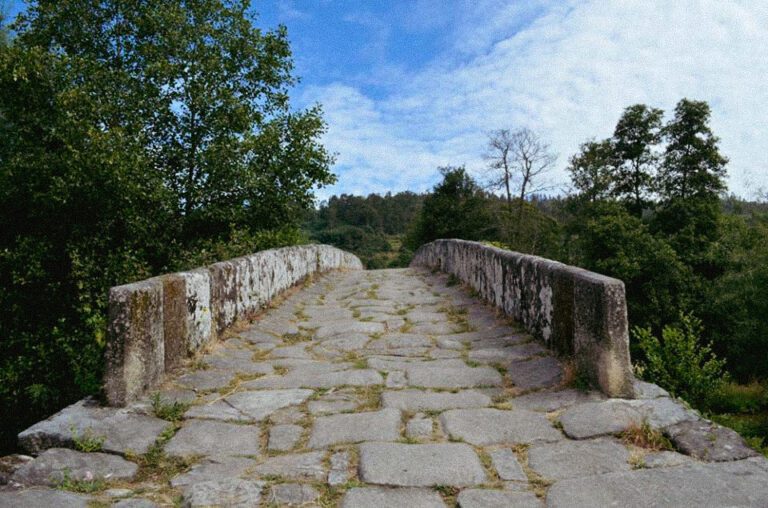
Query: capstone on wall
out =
(154, 324)
(577, 313)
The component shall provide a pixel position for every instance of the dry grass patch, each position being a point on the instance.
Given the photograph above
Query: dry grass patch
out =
(646, 437)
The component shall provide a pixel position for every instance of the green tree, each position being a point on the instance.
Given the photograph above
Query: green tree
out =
(207, 92)
(456, 209)
(637, 132)
(692, 165)
(591, 170)
(692, 177)
(606, 238)
(135, 137)
(737, 302)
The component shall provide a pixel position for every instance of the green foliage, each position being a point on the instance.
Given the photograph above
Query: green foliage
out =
(84, 486)
(753, 427)
(135, 138)
(371, 227)
(693, 167)
(456, 209)
(636, 133)
(592, 170)
(608, 239)
(737, 302)
(87, 442)
(732, 397)
(680, 362)
(171, 411)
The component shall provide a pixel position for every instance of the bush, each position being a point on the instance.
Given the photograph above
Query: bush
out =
(679, 362)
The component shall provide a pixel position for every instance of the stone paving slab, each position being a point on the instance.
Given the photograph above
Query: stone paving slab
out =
(214, 468)
(379, 497)
(507, 466)
(571, 459)
(418, 400)
(120, 430)
(554, 401)
(291, 494)
(381, 425)
(420, 465)
(233, 492)
(486, 498)
(39, 497)
(202, 437)
(429, 376)
(708, 441)
(55, 464)
(613, 416)
(544, 372)
(300, 466)
(302, 379)
(483, 427)
(741, 483)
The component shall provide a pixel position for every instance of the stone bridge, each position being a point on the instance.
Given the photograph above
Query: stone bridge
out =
(292, 377)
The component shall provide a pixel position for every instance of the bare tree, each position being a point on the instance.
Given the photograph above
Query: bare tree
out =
(518, 159)
(498, 155)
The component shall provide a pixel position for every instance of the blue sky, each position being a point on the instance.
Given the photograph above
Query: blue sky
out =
(408, 86)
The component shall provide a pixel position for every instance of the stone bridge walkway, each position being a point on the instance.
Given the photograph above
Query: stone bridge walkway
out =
(391, 388)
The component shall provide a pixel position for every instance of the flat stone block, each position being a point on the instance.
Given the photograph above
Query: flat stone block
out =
(613, 416)
(486, 498)
(506, 354)
(56, 464)
(542, 372)
(553, 401)
(302, 379)
(437, 376)
(418, 400)
(201, 437)
(339, 473)
(572, 459)
(381, 425)
(482, 427)
(300, 466)
(709, 441)
(741, 483)
(214, 468)
(39, 497)
(259, 405)
(380, 497)
(348, 327)
(206, 380)
(121, 430)
(507, 466)
(292, 494)
(231, 493)
(419, 427)
(284, 437)
(420, 465)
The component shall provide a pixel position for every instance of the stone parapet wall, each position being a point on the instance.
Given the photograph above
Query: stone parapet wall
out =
(576, 312)
(155, 323)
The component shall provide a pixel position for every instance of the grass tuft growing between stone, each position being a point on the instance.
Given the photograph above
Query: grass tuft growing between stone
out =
(157, 467)
(86, 486)
(645, 436)
(88, 441)
(170, 411)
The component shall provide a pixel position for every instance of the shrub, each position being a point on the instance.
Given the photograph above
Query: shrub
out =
(679, 361)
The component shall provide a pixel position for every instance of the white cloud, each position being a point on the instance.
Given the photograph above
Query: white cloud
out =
(568, 73)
